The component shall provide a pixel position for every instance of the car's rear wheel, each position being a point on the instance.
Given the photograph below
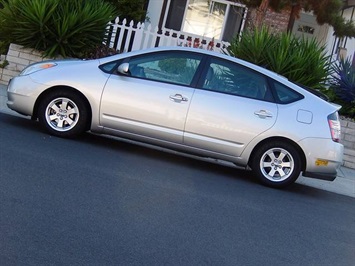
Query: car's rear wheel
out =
(276, 164)
(63, 113)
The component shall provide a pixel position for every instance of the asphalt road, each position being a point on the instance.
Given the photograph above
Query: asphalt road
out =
(99, 201)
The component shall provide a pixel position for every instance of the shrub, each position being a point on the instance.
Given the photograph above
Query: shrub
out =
(58, 27)
(343, 85)
(300, 60)
(4, 64)
(100, 51)
(4, 47)
(343, 79)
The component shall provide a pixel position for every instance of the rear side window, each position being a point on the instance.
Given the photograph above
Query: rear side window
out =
(285, 95)
(232, 78)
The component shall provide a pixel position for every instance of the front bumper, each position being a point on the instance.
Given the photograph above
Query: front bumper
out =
(22, 93)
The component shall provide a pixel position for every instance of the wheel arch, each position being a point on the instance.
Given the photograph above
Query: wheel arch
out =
(281, 139)
(68, 88)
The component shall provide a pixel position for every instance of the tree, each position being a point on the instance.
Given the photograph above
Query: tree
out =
(130, 9)
(326, 11)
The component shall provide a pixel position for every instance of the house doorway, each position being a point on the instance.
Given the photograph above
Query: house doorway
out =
(307, 27)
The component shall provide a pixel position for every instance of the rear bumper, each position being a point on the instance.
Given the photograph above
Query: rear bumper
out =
(323, 158)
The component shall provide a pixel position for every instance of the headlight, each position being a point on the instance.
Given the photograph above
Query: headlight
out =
(37, 67)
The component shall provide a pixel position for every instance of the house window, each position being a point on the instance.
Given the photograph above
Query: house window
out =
(219, 19)
(306, 29)
(205, 18)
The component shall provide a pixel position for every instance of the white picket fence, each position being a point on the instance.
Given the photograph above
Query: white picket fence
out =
(131, 37)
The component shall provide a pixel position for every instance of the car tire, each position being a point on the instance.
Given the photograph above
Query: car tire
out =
(63, 113)
(276, 164)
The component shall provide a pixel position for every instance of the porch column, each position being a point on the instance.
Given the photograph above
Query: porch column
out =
(155, 9)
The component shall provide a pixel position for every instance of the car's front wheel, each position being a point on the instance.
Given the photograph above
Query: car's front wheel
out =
(63, 113)
(276, 164)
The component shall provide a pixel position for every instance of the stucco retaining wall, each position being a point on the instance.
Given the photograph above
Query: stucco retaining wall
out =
(18, 58)
(348, 140)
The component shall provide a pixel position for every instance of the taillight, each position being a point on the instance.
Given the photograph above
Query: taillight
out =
(334, 126)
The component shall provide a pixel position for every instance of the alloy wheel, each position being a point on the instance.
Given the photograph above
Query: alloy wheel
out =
(62, 114)
(277, 164)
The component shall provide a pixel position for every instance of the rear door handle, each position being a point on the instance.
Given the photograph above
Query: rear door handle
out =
(263, 114)
(178, 98)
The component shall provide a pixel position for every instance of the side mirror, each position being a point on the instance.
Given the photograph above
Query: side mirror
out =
(123, 69)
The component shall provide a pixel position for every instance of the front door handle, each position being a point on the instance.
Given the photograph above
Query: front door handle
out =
(263, 114)
(178, 98)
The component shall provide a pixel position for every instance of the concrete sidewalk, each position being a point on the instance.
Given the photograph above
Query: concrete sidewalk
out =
(344, 184)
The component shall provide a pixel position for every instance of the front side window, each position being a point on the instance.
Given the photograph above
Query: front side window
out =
(232, 78)
(110, 67)
(171, 67)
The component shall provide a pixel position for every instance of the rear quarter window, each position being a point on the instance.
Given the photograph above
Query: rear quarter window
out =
(284, 94)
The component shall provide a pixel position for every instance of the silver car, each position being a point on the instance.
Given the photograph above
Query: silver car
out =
(191, 100)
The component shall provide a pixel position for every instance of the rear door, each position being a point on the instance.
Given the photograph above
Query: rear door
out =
(152, 100)
(233, 105)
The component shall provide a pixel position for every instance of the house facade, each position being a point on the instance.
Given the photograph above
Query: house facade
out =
(225, 19)
(219, 19)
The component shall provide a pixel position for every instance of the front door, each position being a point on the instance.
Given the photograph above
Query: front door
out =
(152, 100)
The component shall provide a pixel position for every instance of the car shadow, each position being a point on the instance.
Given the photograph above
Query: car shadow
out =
(206, 168)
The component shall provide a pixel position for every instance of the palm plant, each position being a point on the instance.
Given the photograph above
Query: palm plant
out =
(57, 27)
(300, 60)
(310, 63)
(252, 45)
